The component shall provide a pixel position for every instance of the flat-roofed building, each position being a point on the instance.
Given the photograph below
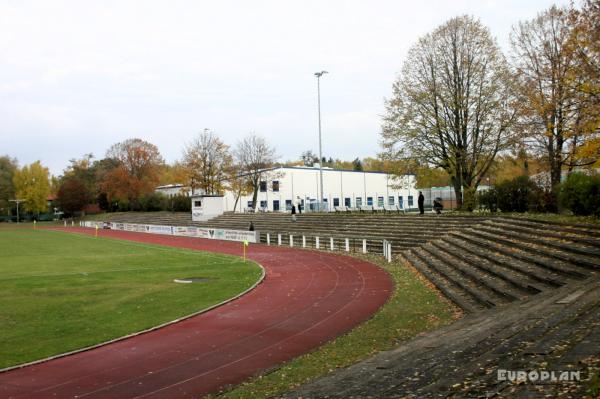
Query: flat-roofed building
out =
(282, 187)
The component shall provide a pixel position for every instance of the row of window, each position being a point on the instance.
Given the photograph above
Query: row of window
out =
(358, 201)
(263, 186)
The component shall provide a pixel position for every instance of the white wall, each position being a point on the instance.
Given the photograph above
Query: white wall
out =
(304, 183)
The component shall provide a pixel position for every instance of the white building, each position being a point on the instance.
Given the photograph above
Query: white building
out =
(171, 190)
(283, 186)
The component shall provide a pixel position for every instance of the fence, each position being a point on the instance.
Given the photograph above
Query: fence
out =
(330, 243)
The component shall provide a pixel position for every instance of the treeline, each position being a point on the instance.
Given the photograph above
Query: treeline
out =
(126, 178)
(462, 106)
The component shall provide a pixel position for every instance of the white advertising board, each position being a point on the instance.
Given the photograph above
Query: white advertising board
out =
(187, 231)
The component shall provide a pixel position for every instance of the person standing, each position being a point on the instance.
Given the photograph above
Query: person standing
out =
(293, 213)
(421, 203)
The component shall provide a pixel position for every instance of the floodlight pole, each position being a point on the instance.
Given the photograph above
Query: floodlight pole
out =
(18, 201)
(318, 75)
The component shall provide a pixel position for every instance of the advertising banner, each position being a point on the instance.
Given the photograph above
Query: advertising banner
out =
(187, 231)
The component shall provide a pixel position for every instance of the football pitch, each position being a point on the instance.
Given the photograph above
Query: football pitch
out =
(60, 292)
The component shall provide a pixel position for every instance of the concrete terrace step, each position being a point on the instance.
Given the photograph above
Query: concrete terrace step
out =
(526, 253)
(520, 243)
(496, 289)
(586, 230)
(563, 236)
(527, 276)
(485, 267)
(454, 277)
(461, 360)
(459, 297)
(542, 239)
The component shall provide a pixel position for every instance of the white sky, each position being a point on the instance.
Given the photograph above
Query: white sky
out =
(79, 76)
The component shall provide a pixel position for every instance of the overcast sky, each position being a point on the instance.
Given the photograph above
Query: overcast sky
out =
(79, 76)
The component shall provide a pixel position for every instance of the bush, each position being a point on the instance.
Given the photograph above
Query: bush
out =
(520, 194)
(152, 203)
(181, 203)
(469, 199)
(488, 199)
(543, 201)
(580, 194)
(515, 195)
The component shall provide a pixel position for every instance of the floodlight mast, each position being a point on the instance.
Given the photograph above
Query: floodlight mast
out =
(18, 201)
(318, 75)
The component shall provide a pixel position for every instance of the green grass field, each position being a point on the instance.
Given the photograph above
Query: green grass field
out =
(61, 291)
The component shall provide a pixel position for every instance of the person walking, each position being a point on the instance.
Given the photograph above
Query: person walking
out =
(293, 213)
(421, 203)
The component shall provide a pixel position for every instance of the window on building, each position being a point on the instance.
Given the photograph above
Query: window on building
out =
(391, 200)
(197, 204)
(336, 202)
(275, 205)
(401, 202)
(358, 201)
(263, 204)
(347, 202)
(410, 201)
(369, 200)
(250, 204)
(380, 201)
(275, 185)
(288, 205)
(263, 186)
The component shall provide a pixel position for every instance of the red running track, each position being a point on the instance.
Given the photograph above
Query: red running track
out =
(306, 299)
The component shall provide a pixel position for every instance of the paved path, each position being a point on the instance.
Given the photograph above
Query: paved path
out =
(306, 299)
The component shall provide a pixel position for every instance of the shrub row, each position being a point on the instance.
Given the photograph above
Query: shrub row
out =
(579, 193)
(155, 202)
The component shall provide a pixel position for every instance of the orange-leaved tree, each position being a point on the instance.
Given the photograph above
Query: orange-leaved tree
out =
(137, 170)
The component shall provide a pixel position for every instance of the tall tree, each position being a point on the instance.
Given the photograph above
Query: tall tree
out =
(309, 158)
(73, 194)
(357, 164)
(451, 106)
(137, 171)
(207, 161)
(554, 89)
(32, 184)
(173, 174)
(8, 166)
(83, 171)
(585, 78)
(238, 183)
(253, 155)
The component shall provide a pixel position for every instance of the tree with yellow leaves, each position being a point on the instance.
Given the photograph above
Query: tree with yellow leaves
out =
(32, 185)
(556, 66)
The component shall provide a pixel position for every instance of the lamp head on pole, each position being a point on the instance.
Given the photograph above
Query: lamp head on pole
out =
(319, 74)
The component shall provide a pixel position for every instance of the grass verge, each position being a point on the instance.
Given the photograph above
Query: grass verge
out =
(413, 309)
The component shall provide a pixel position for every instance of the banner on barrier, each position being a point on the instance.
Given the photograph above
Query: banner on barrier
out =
(187, 231)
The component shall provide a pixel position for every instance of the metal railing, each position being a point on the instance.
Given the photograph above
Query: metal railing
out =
(329, 243)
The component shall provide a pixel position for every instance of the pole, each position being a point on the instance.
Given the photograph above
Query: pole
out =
(318, 75)
(17, 201)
